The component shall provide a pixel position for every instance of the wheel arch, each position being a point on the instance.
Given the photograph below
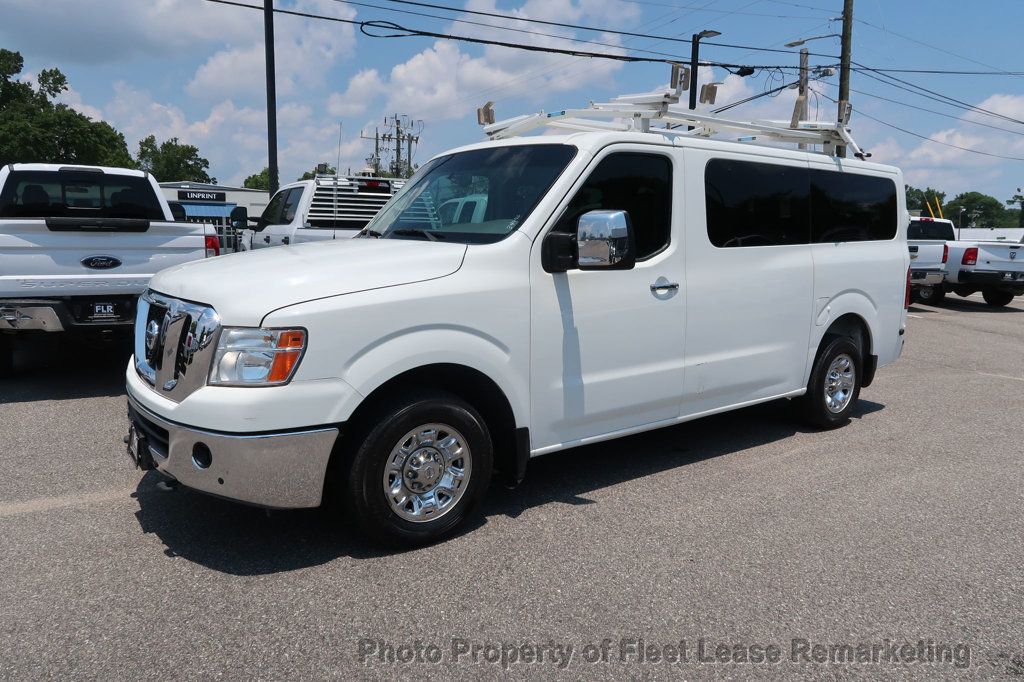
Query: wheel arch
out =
(854, 326)
(511, 443)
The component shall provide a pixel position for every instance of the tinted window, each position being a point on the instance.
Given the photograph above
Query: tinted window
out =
(272, 213)
(75, 193)
(291, 205)
(927, 229)
(640, 184)
(852, 208)
(756, 204)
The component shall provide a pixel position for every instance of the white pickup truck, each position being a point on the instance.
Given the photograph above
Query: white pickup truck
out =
(324, 208)
(78, 244)
(996, 269)
(926, 241)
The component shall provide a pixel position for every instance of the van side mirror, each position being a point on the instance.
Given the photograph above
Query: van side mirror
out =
(239, 217)
(604, 241)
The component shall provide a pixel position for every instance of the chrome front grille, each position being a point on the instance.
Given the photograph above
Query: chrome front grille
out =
(174, 344)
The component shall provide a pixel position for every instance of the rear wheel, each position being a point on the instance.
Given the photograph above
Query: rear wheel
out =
(421, 470)
(834, 386)
(6, 356)
(931, 295)
(996, 297)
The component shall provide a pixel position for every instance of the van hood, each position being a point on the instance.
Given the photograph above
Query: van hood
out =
(244, 287)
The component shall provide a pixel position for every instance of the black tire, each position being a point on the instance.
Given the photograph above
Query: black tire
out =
(996, 297)
(963, 291)
(367, 459)
(813, 407)
(6, 356)
(930, 295)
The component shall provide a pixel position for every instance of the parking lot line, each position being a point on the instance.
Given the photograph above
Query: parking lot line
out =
(42, 504)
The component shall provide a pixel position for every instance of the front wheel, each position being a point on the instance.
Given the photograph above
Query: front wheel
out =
(996, 297)
(834, 386)
(421, 470)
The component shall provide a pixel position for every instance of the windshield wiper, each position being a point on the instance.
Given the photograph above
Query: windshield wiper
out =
(416, 232)
(370, 233)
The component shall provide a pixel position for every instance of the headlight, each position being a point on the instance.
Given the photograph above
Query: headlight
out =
(257, 357)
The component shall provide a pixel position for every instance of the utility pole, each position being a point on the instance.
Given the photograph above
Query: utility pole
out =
(800, 110)
(406, 132)
(844, 68)
(268, 45)
(398, 146)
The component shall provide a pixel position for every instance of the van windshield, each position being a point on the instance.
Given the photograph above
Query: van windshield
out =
(475, 197)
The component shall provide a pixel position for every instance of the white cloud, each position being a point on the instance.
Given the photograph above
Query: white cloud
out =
(110, 31)
(362, 89)
(305, 50)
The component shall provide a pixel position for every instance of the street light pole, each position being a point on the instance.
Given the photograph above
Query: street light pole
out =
(695, 63)
(268, 43)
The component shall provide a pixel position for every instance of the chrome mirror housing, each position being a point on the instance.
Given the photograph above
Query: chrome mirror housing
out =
(604, 240)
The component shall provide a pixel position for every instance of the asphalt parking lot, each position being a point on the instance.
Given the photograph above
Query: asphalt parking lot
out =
(744, 529)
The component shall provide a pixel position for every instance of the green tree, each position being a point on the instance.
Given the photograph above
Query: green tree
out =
(34, 128)
(980, 210)
(1018, 199)
(311, 175)
(172, 160)
(917, 199)
(259, 180)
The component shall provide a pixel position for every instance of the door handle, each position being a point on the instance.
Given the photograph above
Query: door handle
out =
(668, 286)
(286, 240)
(267, 239)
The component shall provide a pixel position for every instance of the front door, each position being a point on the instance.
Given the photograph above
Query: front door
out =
(280, 229)
(607, 345)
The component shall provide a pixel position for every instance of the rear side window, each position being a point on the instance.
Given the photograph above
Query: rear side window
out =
(852, 208)
(756, 204)
(78, 194)
(926, 229)
(640, 184)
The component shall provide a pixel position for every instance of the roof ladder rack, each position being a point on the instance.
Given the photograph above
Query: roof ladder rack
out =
(635, 113)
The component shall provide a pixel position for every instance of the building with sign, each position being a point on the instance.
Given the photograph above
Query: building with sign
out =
(205, 203)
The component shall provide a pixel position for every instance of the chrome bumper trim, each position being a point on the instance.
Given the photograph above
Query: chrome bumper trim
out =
(23, 317)
(277, 470)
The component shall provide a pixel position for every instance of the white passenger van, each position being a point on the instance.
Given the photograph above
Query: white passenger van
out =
(618, 281)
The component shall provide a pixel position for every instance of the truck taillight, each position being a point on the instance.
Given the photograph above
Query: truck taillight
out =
(906, 299)
(212, 246)
(970, 256)
(945, 252)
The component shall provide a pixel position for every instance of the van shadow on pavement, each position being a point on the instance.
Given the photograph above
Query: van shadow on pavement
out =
(65, 367)
(240, 540)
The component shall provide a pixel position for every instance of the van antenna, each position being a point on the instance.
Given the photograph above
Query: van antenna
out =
(337, 166)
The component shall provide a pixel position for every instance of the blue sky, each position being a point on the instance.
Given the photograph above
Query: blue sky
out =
(193, 69)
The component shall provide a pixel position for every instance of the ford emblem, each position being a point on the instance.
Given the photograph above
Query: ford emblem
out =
(101, 262)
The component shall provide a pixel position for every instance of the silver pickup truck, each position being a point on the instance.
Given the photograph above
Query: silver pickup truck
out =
(78, 244)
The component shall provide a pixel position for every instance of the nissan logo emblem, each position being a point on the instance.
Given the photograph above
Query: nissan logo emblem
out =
(101, 262)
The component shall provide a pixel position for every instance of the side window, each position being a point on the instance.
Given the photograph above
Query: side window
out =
(272, 213)
(756, 204)
(291, 205)
(852, 208)
(640, 184)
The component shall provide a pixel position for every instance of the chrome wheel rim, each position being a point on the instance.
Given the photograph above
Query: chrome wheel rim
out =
(839, 382)
(427, 472)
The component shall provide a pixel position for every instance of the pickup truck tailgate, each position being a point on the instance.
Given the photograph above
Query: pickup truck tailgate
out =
(62, 259)
(1000, 256)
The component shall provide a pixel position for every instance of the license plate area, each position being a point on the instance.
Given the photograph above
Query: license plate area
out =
(102, 311)
(138, 449)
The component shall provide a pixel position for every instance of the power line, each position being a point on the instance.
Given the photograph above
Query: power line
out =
(399, 31)
(933, 111)
(925, 92)
(582, 27)
(928, 139)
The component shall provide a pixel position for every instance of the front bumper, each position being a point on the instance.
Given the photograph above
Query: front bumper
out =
(281, 470)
